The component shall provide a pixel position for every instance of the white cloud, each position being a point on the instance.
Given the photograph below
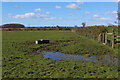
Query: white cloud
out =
(114, 12)
(34, 15)
(30, 15)
(103, 18)
(96, 16)
(47, 12)
(58, 7)
(111, 12)
(87, 12)
(40, 16)
(38, 10)
(26, 15)
(79, 2)
(100, 18)
(73, 6)
(42, 11)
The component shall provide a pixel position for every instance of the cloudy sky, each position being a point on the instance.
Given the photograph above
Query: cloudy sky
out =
(59, 13)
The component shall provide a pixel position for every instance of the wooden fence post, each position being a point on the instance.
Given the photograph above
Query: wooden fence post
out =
(99, 38)
(113, 41)
(103, 37)
(106, 38)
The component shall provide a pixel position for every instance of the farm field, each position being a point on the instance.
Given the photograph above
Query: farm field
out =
(21, 60)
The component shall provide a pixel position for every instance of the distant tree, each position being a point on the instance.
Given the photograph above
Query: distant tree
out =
(83, 24)
(57, 26)
(115, 22)
(13, 26)
(76, 26)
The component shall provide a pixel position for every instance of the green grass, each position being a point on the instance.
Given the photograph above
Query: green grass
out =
(21, 61)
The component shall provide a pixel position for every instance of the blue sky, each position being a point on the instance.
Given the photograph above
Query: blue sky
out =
(59, 0)
(59, 13)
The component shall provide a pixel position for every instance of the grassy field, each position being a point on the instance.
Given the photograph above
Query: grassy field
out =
(20, 59)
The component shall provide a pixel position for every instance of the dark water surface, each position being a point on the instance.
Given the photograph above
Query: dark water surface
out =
(107, 59)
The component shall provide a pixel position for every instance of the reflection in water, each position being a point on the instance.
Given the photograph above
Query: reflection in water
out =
(61, 56)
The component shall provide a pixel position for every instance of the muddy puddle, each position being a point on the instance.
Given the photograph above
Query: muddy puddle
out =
(106, 59)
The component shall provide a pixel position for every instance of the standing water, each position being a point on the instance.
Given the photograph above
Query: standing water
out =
(61, 56)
